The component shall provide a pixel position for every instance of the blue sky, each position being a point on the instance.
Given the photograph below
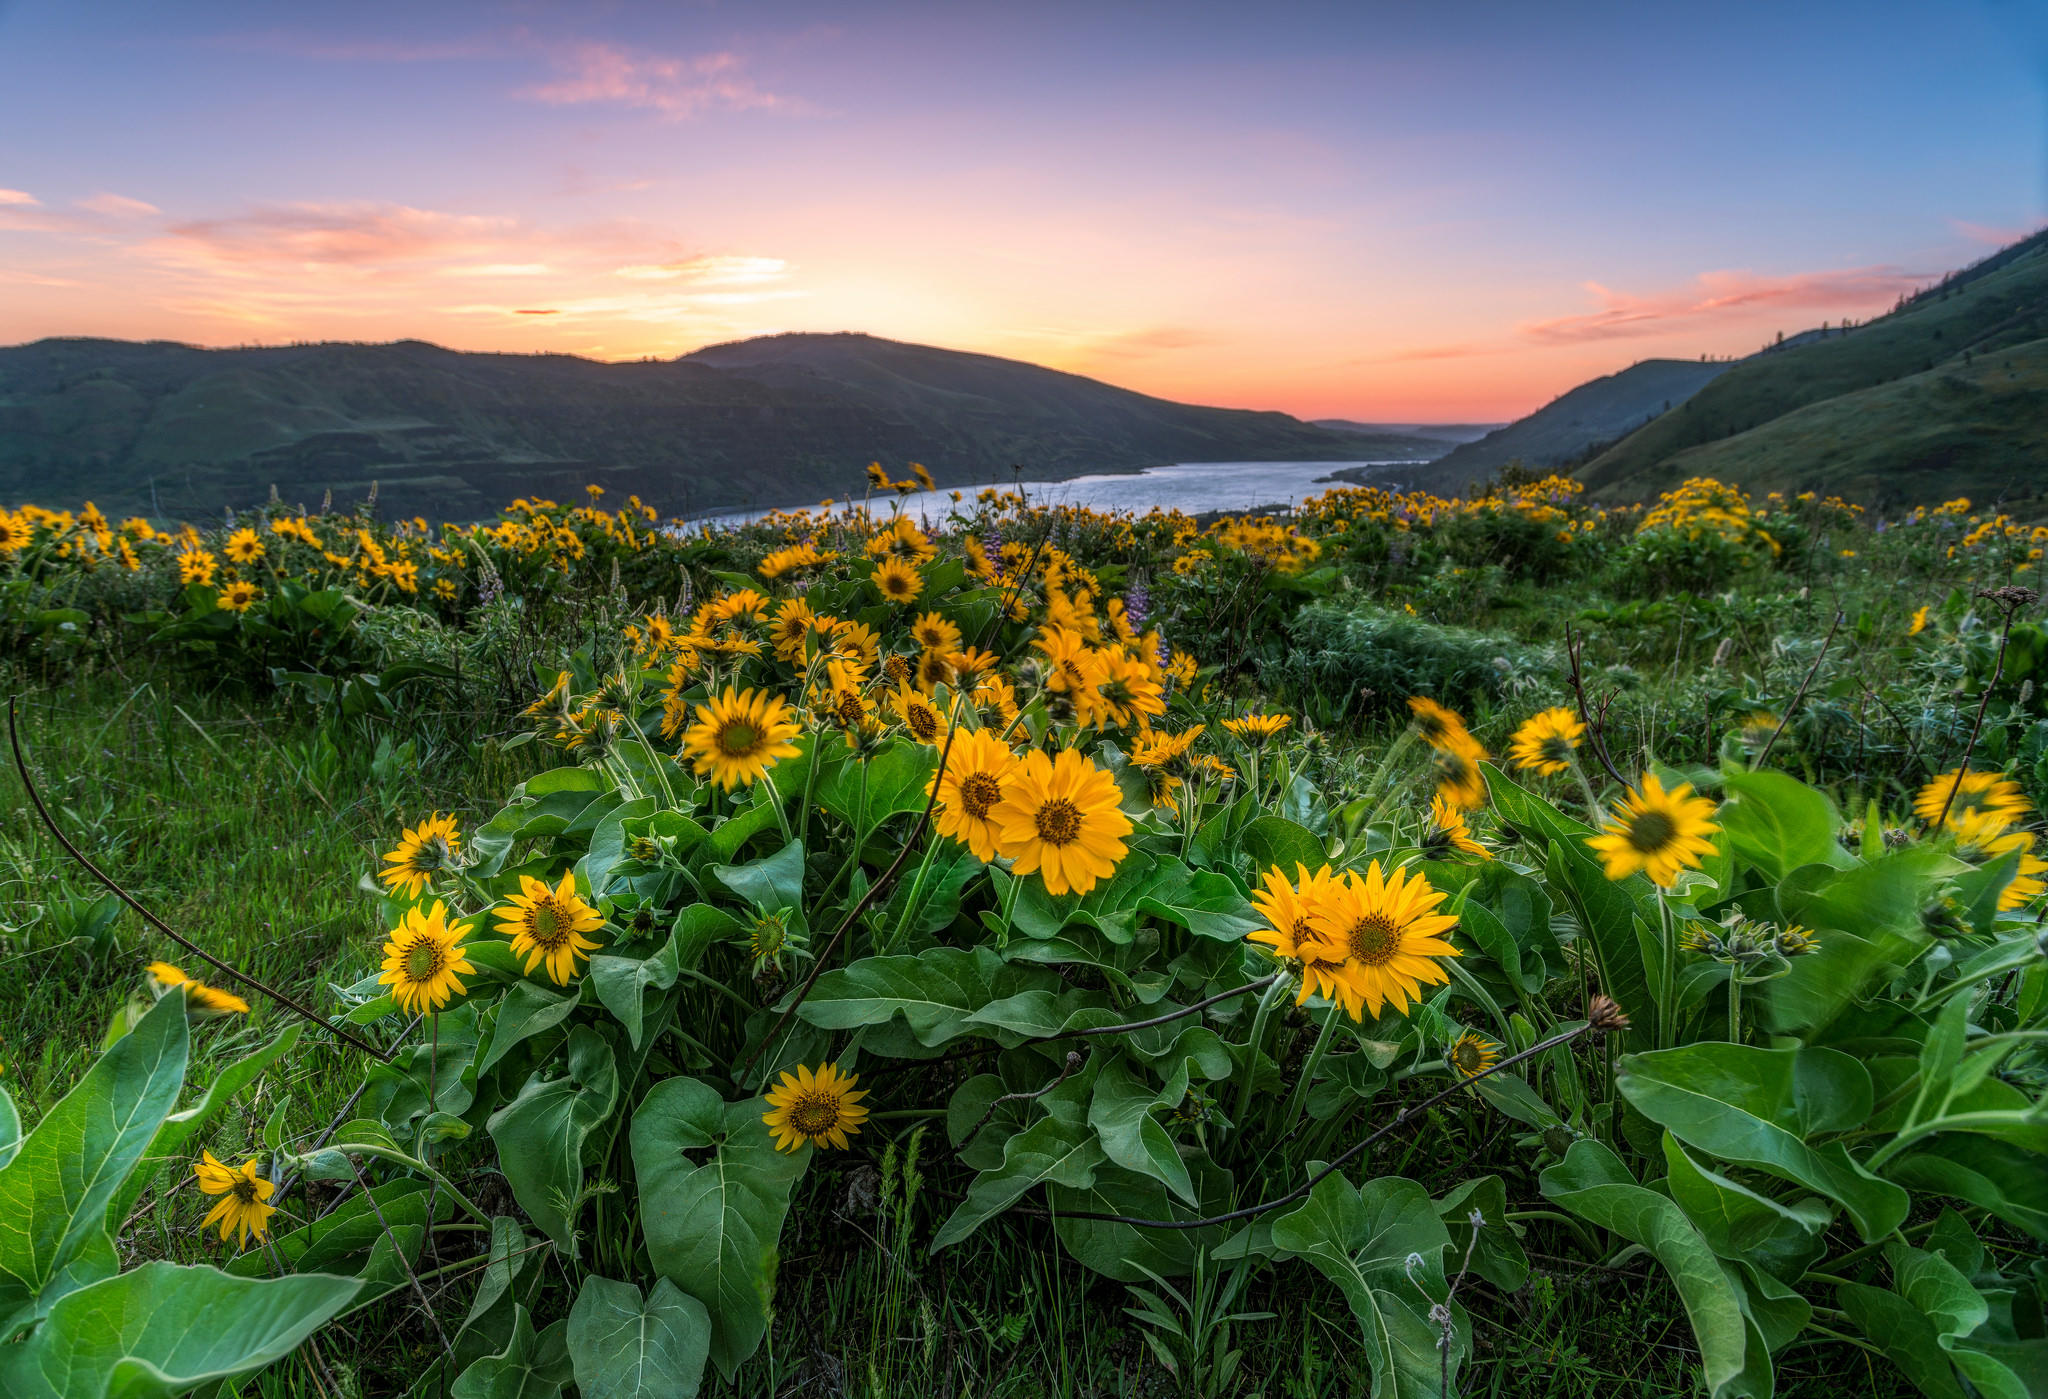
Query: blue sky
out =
(1389, 211)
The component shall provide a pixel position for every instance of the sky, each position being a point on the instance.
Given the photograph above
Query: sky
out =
(1422, 212)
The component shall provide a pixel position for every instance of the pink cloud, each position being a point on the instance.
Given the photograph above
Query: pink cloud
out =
(118, 206)
(1725, 295)
(675, 87)
(17, 196)
(331, 234)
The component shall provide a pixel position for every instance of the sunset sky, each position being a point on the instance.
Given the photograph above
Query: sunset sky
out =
(1399, 212)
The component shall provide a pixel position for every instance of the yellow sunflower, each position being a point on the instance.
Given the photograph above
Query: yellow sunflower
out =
(1545, 743)
(196, 566)
(425, 850)
(1059, 819)
(791, 625)
(1974, 792)
(739, 736)
(1387, 935)
(1471, 1055)
(1256, 729)
(971, 788)
(200, 999)
(1459, 782)
(934, 633)
(919, 716)
(240, 596)
(1447, 831)
(898, 581)
(423, 961)
(1289, 910)
(995, 695)
(243, 1209)
(1068, 658)
(1123, 692)
(1436, 725)
(1919, 620)
(816, 1109)
(547, 926)
(243, 546)
(1657, 832)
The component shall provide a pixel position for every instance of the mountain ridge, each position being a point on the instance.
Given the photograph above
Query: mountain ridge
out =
(170, 429)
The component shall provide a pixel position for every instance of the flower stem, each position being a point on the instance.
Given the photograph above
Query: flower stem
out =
(1252, 1047)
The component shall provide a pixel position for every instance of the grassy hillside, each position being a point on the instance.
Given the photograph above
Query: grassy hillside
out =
(1592, 414)
(1960, 354)
(177, 431)
(1975, 427)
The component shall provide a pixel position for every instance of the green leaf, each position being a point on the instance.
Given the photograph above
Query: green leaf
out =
(936, 992)
(1606, 911)
(1994, 1175)
(624, 1348)
(1496, 1254)
(1758, 1107)
(1935, 1286)
(10, 1128)
(540, 1135)
(1274, 842)
(1868, 921)
(1051, 1151)
(55, 1191)
(1363, 1242)
(889, 783)
(1126, 1251)
(162, 1330)
(528, 1009)
(1592, 1183)
(1121, 1114)
(530, 1366)
(1778, 823)
(1741, 1223)
(338, 1241)
(711, 1229)
(621, 982)
(1905, 1335)
(771, 883)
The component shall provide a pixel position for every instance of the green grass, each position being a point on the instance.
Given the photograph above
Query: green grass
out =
(248, 830)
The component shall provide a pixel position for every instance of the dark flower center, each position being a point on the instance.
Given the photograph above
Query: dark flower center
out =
(548, 924)
(1059, 822)
(1651, 831)
(424, 960)
(923, 721)
(814, 1114)
(738, 738)
(979, 792)
(1374, 939)
(244, 1189)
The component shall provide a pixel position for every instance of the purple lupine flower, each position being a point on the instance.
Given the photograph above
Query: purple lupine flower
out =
(1138, 605)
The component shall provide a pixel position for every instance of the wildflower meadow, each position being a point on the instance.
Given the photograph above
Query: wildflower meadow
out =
(1402, 946)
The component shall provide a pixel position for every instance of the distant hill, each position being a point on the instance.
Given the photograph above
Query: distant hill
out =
(1450, 433)
(1945, 396)
(172, 430)
(1590, 416)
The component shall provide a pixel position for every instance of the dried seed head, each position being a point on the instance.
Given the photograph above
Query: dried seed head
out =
(1605, 1016)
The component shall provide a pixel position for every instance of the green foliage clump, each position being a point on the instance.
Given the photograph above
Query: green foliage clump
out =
(1343, 663)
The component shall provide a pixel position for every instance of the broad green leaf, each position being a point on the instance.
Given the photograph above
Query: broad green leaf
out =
(1125, 1251)
(889, 783)
(55, 1192)
(1121, 1114)
(540, 1135)
(338, 1240)
(1934, 1285)
(1592, 1183)
(1778, 823)
(621, 983)
(771, 883)
(1051, 1151)
(624, 1348)
(528, 1009)
(1607, 912)
(936, 992)
(1742, 1223)
(1496, 1253)
(712, 1228)
(927, 899)
(1994, 1175)
(530, 1366)
(1868, 921)
(1759, 1107)
(1532, 817)
(1364, 1242)
(1904, 1334)
(10, 1128)
(162, 1330)
(1274, 842)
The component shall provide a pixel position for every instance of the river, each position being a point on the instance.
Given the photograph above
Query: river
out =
(1197, 488)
